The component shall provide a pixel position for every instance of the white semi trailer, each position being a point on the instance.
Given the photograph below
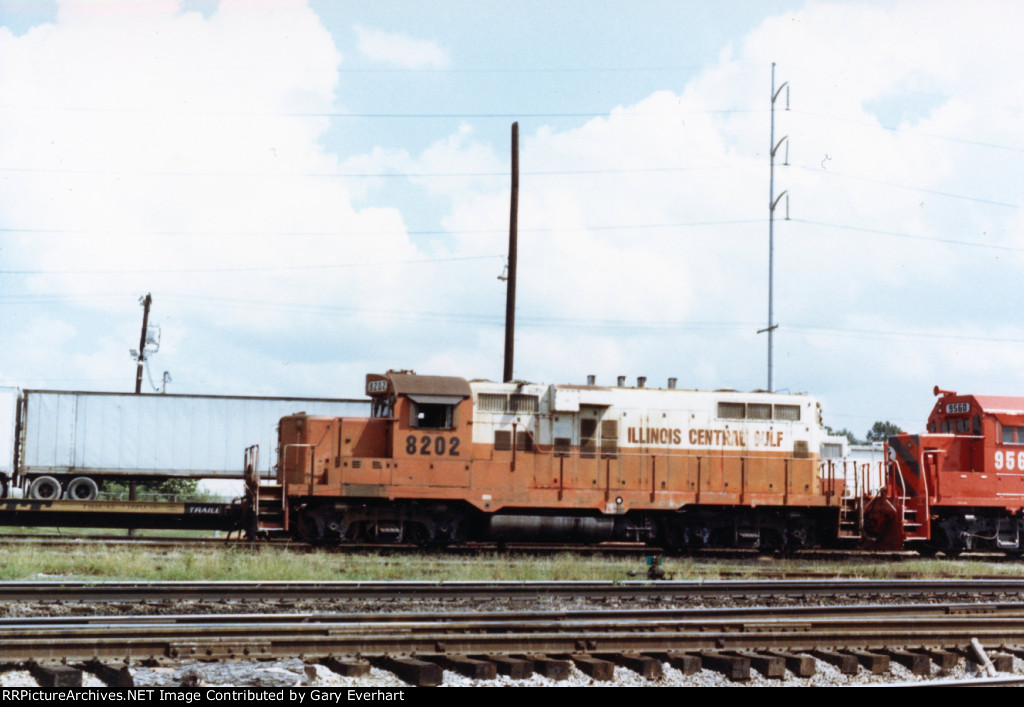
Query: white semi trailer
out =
(61, 444)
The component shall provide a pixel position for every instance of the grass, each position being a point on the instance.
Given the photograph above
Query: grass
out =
(91, 562)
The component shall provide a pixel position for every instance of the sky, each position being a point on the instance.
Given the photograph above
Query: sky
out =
(315, 190)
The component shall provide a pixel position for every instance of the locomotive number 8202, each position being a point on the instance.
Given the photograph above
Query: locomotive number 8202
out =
(427, 445)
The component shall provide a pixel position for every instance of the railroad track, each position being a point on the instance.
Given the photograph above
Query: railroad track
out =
(925, 639)
(64, 592)
(610, 549)
(424, 633)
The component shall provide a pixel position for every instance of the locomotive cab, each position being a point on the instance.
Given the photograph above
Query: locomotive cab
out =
(428, 415)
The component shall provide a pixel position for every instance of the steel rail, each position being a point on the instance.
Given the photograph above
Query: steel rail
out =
(235, 591)
(470, 635)
(500, 619)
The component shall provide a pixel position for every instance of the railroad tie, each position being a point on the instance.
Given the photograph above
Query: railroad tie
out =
(416, 672)
(549, 667)
(644, 665)
(685, 663)
(769, 666)
(846, 663)
(731, 666)
(349, 668)
(874, 663)
(945, 660)
(594, 667)
(55, 675)
(515, 667)
(1002, 662)
(916, 663)
(802, 666)
(1013, 650)
(472, 668)
(111, 676)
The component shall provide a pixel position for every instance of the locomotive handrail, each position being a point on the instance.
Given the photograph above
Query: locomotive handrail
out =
(827, 471)
(927, 495)
(897, 475)
(515, 444)
(902, 498)
(284, 455)
(251, 467)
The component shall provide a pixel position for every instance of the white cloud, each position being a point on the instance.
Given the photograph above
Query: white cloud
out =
(171, 141)
(144, 150)
(401, 50)
(622, 284)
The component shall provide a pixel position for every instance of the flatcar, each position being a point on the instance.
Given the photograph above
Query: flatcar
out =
(443, 460)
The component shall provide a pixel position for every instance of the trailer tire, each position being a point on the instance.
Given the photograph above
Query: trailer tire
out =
(44, 488)
(83, 488)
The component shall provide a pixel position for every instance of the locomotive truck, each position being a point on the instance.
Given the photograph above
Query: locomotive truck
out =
(443, 460)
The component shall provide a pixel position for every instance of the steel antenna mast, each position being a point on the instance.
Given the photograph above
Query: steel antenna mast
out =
(772, 203)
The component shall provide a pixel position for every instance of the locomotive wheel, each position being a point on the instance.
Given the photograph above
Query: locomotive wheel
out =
(83, 489)
(948, 537)
(674, 534)
(44, 488)
(308, 529)
(417, 534)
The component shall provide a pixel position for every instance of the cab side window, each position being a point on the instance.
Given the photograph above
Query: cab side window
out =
(432, 416)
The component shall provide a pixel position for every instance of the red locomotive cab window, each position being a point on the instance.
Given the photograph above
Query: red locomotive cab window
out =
(1008, 436)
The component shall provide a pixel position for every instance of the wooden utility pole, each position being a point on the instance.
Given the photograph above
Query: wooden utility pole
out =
(146, 301)
(510, 284)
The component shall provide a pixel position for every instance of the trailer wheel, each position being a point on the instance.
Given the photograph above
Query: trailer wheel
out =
(44, 488)
(83, 488)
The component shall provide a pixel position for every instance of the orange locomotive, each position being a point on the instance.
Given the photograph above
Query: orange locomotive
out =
(443, 460)
(960, 487)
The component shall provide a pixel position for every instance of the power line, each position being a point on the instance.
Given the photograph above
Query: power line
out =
(883, 182)
(532, 70)
(905, 335)
(909, 131)
(897, 234)
(374, 175)
(256, 268)
(361, 234)
(462, 232)
(534, 321)
(514, 115)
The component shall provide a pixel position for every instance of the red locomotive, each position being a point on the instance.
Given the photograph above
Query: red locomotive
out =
(960, 487)
(443, 460)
